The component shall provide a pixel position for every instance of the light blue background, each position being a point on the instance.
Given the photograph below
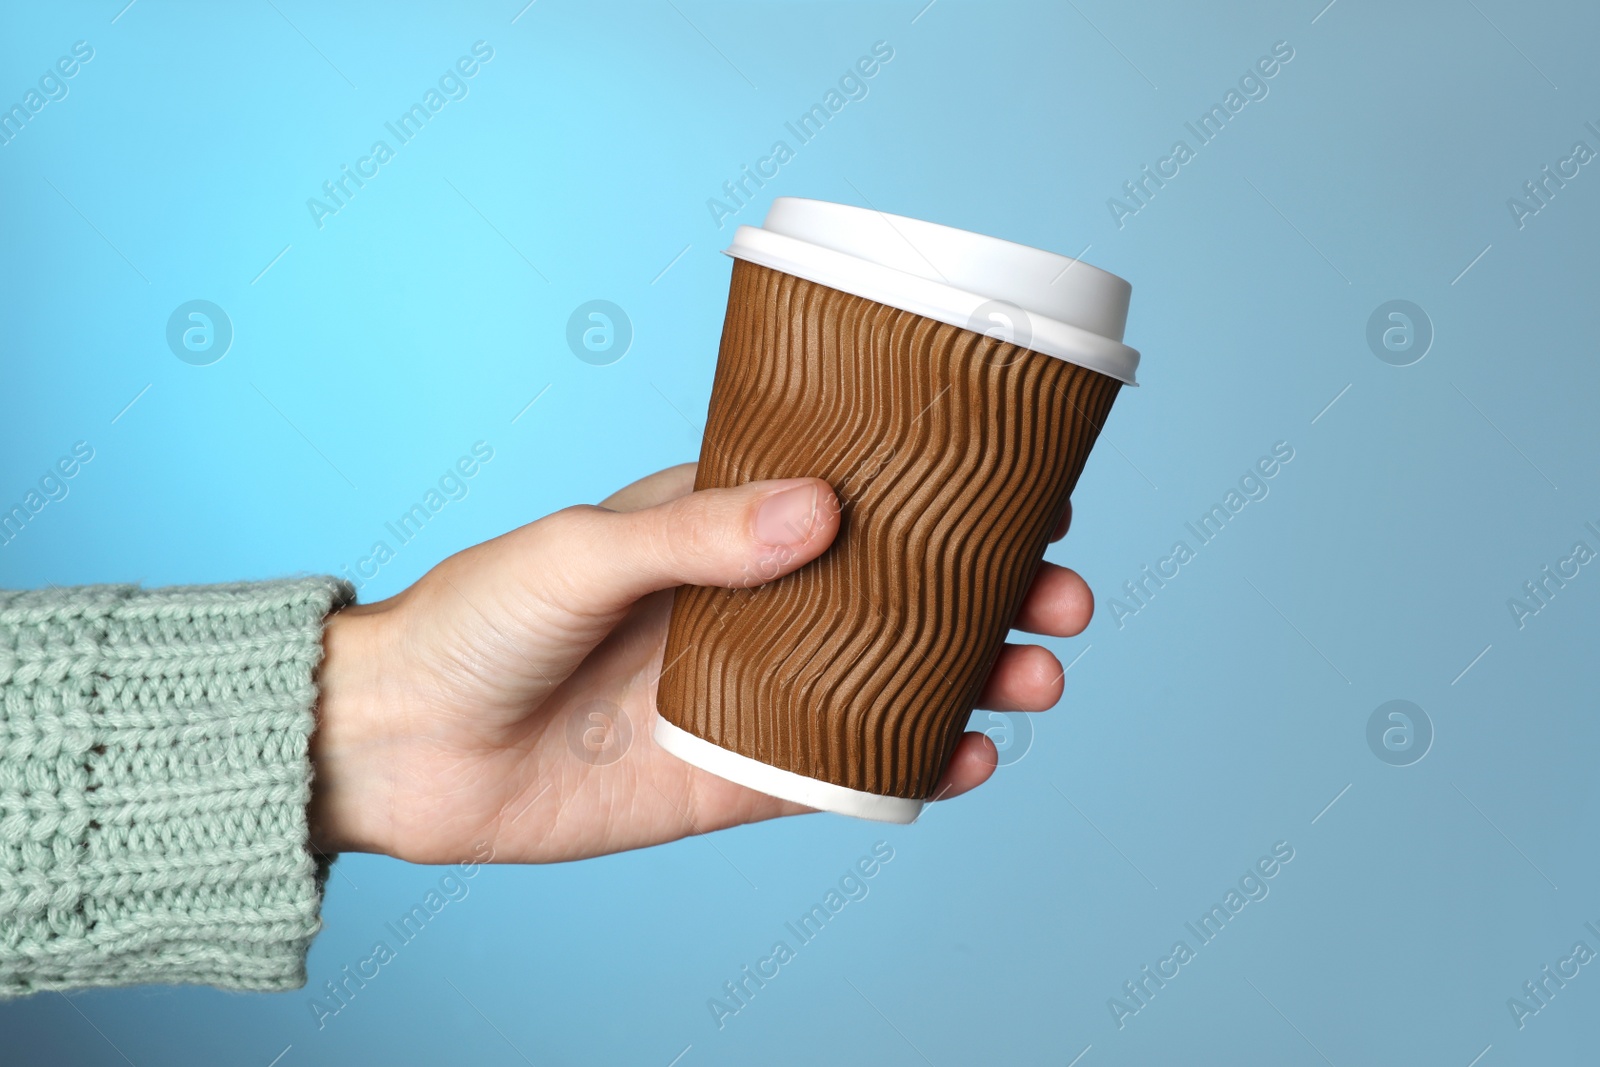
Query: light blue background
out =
(1220, 719)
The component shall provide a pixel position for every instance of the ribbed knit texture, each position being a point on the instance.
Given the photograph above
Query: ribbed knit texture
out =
(153, 783)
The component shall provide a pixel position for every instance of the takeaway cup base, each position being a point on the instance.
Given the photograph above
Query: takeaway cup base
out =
(949, 386)
(785, 785)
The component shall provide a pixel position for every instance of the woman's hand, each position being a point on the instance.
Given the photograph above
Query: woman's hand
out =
(467, 708)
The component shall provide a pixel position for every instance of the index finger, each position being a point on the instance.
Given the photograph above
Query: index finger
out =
(653, 489)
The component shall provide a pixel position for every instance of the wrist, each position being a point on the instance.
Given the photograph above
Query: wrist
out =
(349, 791)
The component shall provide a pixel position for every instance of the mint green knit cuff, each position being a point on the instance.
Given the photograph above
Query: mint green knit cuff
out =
(154, 778)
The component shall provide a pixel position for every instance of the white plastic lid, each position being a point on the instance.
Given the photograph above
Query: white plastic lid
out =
(1071, 310)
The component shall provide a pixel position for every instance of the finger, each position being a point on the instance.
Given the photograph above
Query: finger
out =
(1058, 603)
(974, 761)
(595, 562)
(1062, 526)
(653, 489)
(1024, 678)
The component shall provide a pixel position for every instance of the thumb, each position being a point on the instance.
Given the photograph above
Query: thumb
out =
(739, 537)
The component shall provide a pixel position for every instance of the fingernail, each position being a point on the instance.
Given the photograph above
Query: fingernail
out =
(786, 518)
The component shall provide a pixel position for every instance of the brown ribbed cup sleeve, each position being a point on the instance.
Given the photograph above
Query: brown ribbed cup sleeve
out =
(954, 454)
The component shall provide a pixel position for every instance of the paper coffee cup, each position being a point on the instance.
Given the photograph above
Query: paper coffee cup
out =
(949, 386)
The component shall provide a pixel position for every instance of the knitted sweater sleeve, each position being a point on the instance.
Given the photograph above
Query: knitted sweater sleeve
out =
(153, 784)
